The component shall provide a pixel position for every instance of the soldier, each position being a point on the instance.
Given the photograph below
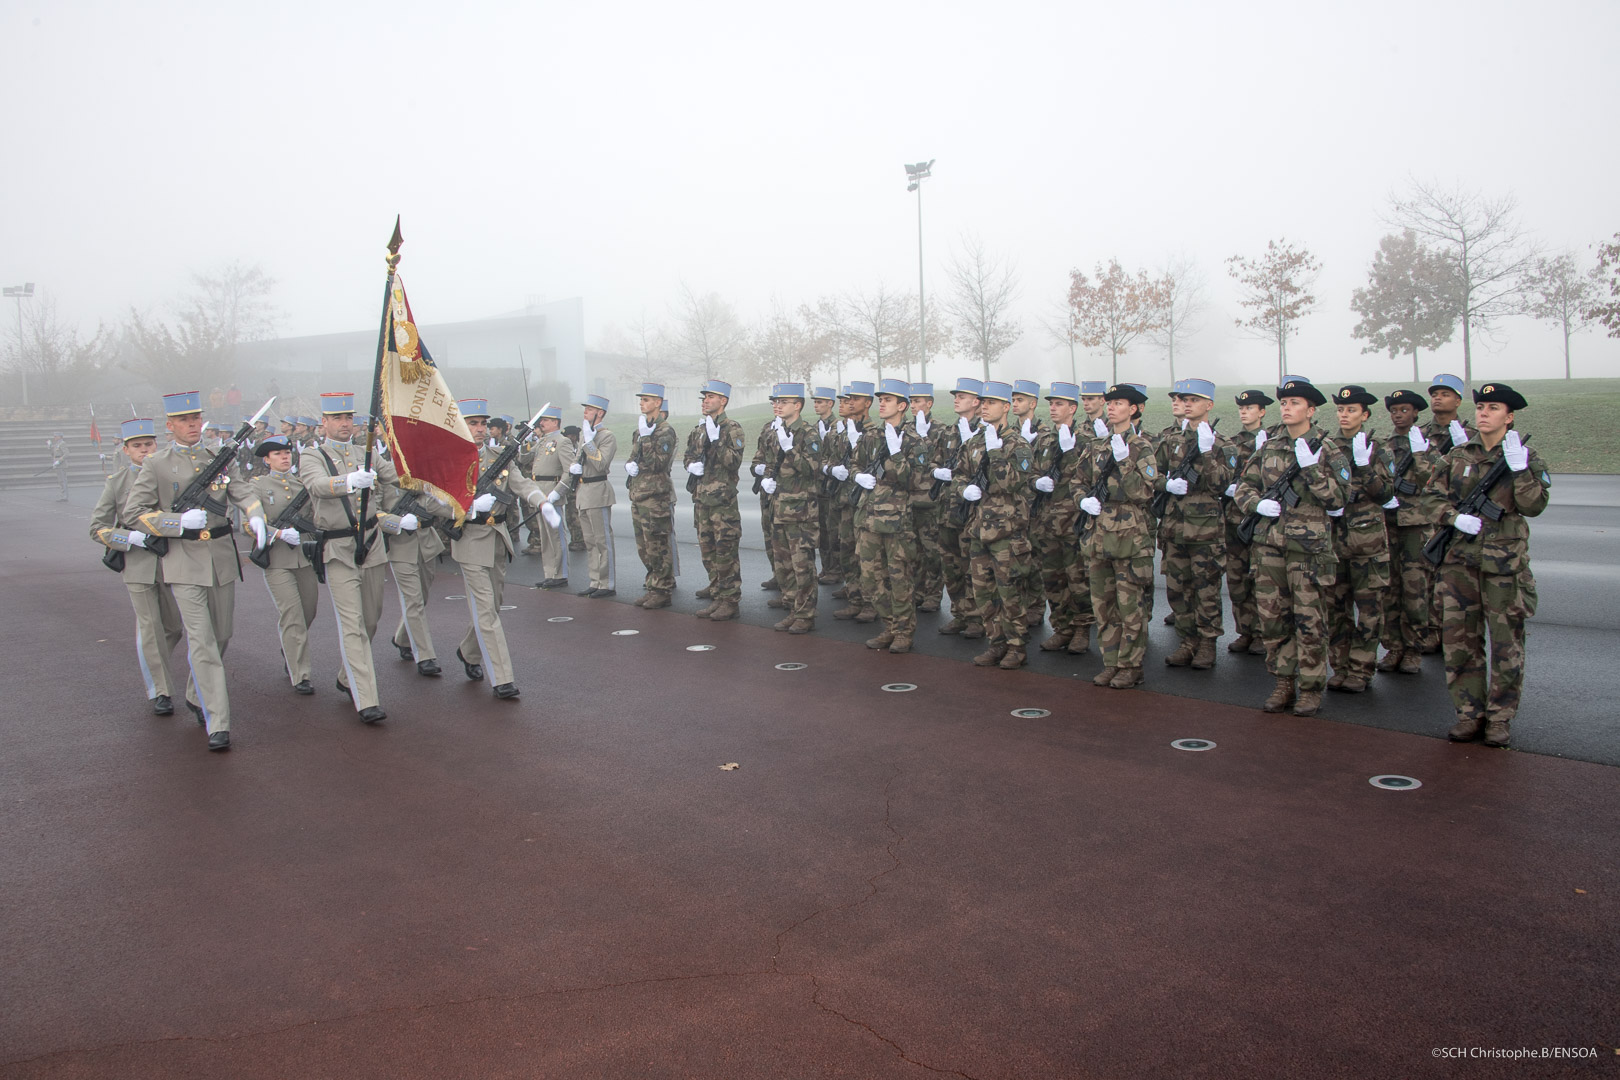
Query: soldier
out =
(1094, 405)
(1410, 517)
(290, 577)
(1361, 545)
(594, 500)
(714, 453)
(954, 554)
(652, 496)
(996, 464)
(576, 532)
(1444, 429)
(765, 449)
(482, 551)
(857, 407)
(929, 576)
(1026, 398)
(1053, 512)
(1192, 530)
(201, 555)
(157, 620)
(884, 460)
(413, 556)
(824, 399)
(553, 454)
(1119, 547)
(1252, 406)
(792, 482)
(1293, 559)
(59, 462)
(1486, 587)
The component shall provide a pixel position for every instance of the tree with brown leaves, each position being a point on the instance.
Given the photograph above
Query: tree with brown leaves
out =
(1115, 309)
(1276, 288)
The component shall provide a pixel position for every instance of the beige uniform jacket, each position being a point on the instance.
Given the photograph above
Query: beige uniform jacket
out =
(552, 456)
(483, 544)
(210, 558)
(595, 457)
(277, 490)
(329, 490)
(111, 524)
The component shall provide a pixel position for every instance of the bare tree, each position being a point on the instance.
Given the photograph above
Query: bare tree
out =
(782, 348)
(877, 323)
(644, 344)
(55, 361)
(982, 291)
(1113, 311)
(709, 339)
(1483, 237)
(1411, 301)
(1183, 284)
(828, 326)
(235, 298)
(1557, 292)
(1058, 328)
(1604, 308)
(1276, 290)
(199, 346)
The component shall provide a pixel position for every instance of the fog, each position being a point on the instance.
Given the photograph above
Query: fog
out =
(613, 152)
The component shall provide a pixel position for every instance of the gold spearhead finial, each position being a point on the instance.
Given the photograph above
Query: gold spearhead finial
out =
(394, 245)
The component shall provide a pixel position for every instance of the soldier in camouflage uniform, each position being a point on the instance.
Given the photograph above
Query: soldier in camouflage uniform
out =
(888, 453)
(652, 496)
(954, 556)
(714, 453)
(996, 466)
(1192, 530)
(1026, 399)
(1053, 513)
(764, 453)
(792, 482)
(1409, 518)
(856, 405)
(1361, 580)
(1239, 580)
(925, 512)
(1486, 586)
(1444, 430)
(1293, 557)
(1091, 425)
(824, 399)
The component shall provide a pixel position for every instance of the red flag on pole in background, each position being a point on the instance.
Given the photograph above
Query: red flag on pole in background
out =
(95, 432)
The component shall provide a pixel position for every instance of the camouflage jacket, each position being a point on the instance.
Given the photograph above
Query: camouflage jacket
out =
(653, 454)
(949, 454)
(797, 473)
(721, 460)
(1360, 531)
(1502, 547)
(886, 508)
(1418, 507)
(1243, 442)
(922, 476)
(1196, 517)
(1003, 474)
(1053, 514)
(1306, 528)
(1439, 435)
(765, 450)
(838, 451)
(1124, 529)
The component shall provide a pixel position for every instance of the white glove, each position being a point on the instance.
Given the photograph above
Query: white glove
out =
(1121, 450)
(491, 443)
(1514, 452)
(1458, 433)
(1469, 524)
(1183, 423)
(194, 519)
(1303, 454)
(784, 439)
(776, 423)
(1206, 437)
(643, 428)
(1361, 449)
(577, 469)
(891, 436)
(1176, 486)
(1028, 430)
(866, 480)
(290, 537)
(587, 434)
(963, 428)
(549, 512)
(360, 479)
(1044, 483)
(1091, 505)
(1416, 438)
(1270, 508)
(992, 438)
(839, 472)
(1260, 438)
(631, 468)
(1336, 512)
(712, 428)
(942, 474)
(137, 539)
(1231, 491)
(972, 493)
(555, 496)
(409, 523)
(922, 426)
(1099, 428)
(1065, 438)
(257, 525)
(853, 433)
(1394, 503)
(696, 468)
(759, 470)
(768, 486)
(484, 503)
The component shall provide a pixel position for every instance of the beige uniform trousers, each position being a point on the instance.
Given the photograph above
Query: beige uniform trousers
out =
(296, 593)
(553, 543)
(157, 631)
(208, 613)
(597, 526)
(414, 581)
(485, 641)
(357, 602)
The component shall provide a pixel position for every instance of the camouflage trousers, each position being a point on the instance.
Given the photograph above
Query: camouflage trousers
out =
(1240, 585)
(955, 562)
(827, 536)
(767, 519)
(655, 544)
(1473, 603)
(793, 553)
(1119, 588)
(849, 559)
(574, 530)
(888, 561)
(930, 574)
(719, 530)
(1291, 591)
(1407, 615)
(998, 568)
(1060, 570)
(1356, 614)
(1192, 578)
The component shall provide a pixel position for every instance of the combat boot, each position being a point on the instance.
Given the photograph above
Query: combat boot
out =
(1282, 695)
(1182, 656)
(802, 626)
(1080, 643)
(1336, 682)
(900, 644)
(1309, 703)
(955, 626)
(1057, 641)
(643, 601)
(1034, 617)
(1204, 658)
(991, 656)
(1170, 618)
(771, 585)
(830, 577)
(706, 610)
(882, 641)
(1105, 676)
(705, 593)
(1257, 647)
(1354, 684)
(974, 630)
(867, 615)
(1240, 643)
(848, 611)
(1126, 677)
(1431, 642)
(1496, 732)
(1014, 659)
(784, 624)
(928, 605)
(1391, 661)
(1411, 663)
(723, 610)
(841, 593)
(776, 602)
(1466, 729)
(655, 600)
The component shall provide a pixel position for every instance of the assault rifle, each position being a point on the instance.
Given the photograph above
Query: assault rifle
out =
(1282, 491)
(289, 518)
(1403, 465)
(956, 459)
(1342, 522)
(829, 486)
(981, 479)
(196, 495)
(1098, 491)
(708, 447)
(878, 470)
(1187, 470)
(1478, 503)
(489, 481)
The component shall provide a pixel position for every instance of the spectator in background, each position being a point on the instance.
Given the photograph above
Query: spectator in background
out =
(233, 405)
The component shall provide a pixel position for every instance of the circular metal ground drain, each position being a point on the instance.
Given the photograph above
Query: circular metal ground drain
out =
(791, 667)
(561, 618)
(898, 687)
(508, 607)
(1031, 714)
(700, 648)
(456, 596)
(625, 633)
(1391, 782)
(1193, 744)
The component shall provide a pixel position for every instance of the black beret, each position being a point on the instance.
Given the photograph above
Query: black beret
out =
(1503, 393)
(1301, 388)
(1254, 397)
(270, 444)
(1125, 392)
(1406, 397)
(1354, 395)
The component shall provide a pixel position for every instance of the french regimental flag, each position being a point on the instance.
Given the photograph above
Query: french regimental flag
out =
(431, 446)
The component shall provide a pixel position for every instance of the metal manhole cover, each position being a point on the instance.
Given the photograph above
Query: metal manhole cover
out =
(899, 687)
(1031, 714)
(791, 667)
(625, 633)
(561, 618)
(700, 648)
(1391, 782)
(1193, 744)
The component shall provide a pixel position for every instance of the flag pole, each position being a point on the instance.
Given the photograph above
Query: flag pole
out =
(394, 244)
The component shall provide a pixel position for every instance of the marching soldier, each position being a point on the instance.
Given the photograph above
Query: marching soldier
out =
(765, 452)
(1410, 517)
(1192, 530)
(157, 620)
(553, 454)
(714, 453)
(59, 462)
(1252, 406)
(792, 482)
(290, 577)
(652, 496)
(1053, 512)
(413, 556)
(1293, 559)
(1026, 397)
(824, 399)
(996, 465)
(929, 577)
(884, 460)
(201, 557)
(595, 498)
(1361, 544)
(954, 556)
(1094, 405)
(1444, 429)
(856, 407)
(1486, 587)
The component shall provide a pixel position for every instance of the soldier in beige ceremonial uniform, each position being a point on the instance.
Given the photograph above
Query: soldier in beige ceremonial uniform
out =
(157, 621)
(412, 560)
(553, 454)
(594, 496)
(288, 573)
(200, 563)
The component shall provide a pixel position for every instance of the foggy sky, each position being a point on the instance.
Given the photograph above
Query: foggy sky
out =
(612, 152)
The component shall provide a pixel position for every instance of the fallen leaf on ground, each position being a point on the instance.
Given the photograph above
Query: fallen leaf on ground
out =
(731, 766)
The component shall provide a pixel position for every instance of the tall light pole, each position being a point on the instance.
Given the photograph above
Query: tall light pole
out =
(21, 292)
(917, 174)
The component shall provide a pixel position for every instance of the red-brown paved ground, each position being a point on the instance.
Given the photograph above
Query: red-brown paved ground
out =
(890, 885)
